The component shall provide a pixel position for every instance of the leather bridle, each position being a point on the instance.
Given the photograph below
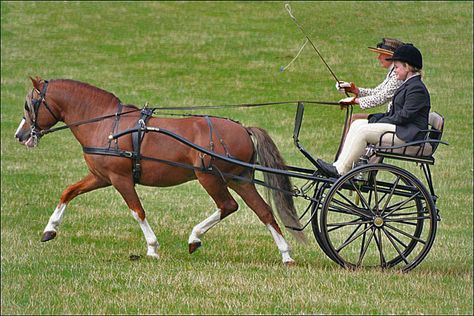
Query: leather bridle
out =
(33, 110)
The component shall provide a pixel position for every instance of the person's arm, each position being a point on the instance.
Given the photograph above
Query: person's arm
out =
(369, 98)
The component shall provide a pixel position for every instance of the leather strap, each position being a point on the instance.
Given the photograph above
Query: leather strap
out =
(137, 138)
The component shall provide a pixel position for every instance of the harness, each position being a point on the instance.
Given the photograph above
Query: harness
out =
(137, 138)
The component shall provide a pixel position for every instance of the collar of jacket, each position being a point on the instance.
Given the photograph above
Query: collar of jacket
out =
(417, 74)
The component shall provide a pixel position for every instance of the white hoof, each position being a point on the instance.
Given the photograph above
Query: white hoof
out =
(152, 250)
(153, 255)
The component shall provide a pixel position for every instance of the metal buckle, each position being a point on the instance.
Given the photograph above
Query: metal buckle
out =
(127, 154)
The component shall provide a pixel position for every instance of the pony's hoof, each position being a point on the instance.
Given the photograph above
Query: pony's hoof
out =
(290, 264)
(153, 255)
(48, 236)
(194, 246)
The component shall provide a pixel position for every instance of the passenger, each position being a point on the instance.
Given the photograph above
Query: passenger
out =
(407, 116)
(368, 98)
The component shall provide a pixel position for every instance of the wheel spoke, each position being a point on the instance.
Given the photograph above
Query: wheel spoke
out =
(363, 242)
(405, 219)
(375, 196)
(353, 232)
(340, 210)
(389, 198)
(395, 246)
(378, 242)
(380, 201)
(355, 210)
(361, 196)
(346, 199)
(364, 250)
(406, 234)
(347, 242)
(402, 204)
(402, 208)
(354, 222)
(396, 238)
(409, 213)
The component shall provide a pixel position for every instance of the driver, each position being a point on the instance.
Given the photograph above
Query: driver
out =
(407, 116)
(368, 98)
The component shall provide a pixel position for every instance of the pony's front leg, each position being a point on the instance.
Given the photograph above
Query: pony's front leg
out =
(127, 190)
(200, 229)
(89, 183)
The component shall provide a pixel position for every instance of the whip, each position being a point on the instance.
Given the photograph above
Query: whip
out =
(288, 8)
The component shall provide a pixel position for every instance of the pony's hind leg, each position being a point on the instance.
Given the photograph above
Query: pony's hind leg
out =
(125, 187)
(225, 203)
(89, 183)
(252, 198)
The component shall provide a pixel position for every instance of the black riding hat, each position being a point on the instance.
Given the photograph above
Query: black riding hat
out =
(409, 54)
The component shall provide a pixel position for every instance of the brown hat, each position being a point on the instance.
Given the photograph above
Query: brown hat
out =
(387, 46)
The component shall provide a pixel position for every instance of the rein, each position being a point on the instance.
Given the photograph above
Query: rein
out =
(118, 113)
(96, 119)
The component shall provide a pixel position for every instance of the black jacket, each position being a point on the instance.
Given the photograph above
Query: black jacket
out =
(410, 110)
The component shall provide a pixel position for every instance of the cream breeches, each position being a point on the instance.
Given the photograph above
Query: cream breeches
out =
(360, 134)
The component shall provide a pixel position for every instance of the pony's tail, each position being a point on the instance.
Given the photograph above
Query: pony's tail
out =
(268, 155)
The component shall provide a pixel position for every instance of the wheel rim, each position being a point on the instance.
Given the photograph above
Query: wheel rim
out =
(378, 216)
(315, 209)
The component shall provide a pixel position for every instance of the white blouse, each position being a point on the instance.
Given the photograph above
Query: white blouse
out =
(383, 93)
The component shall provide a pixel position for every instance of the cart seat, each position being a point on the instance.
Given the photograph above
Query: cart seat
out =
(421, 150)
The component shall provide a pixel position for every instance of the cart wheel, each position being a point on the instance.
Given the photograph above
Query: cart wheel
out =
(315, 211)
(378, 216)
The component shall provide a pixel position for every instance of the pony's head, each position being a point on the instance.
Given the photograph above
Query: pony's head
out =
(38, 115)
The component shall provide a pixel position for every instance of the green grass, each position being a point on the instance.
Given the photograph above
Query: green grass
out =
(197, 53)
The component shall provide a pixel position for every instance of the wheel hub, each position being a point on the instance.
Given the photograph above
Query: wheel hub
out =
(378, 221)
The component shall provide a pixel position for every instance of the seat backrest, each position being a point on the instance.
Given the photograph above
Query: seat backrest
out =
(436, 126)
(436, 121)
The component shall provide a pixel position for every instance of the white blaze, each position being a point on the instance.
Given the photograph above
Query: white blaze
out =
(23, 121)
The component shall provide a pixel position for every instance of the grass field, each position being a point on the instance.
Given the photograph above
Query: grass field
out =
(199, 53)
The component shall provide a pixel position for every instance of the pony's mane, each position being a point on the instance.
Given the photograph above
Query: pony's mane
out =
(87, 89)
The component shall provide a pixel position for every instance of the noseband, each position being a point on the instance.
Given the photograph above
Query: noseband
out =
(36, 130)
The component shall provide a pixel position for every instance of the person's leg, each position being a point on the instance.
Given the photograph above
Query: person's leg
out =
(348, 124)
(331, 170)
(360, 134)
(352, 135)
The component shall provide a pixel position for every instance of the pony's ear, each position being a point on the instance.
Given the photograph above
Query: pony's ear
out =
(36, 82)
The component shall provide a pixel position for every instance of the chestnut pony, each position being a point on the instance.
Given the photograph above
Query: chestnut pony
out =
(71, 102)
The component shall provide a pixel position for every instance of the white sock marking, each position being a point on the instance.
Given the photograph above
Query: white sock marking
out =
(56, 218)
(150, 237)
(201, 228)
(281, 244)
